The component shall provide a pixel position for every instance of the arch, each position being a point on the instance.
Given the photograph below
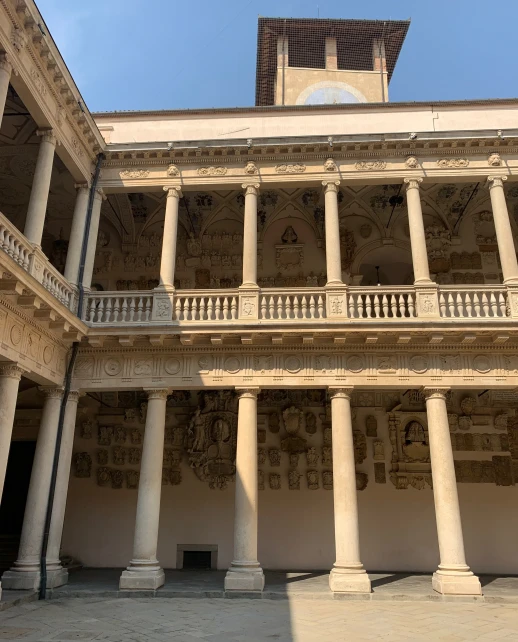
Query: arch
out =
(386, 256)
(292, 211)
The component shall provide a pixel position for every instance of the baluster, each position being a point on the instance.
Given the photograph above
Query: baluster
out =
(218, 309)
(321, 308)
(442, 305)
(195, 312)
(368, 306)
(99, 309)
(148, 308)
(192, 309)
(279, 307)
(108, 310)
(296, 307)
(225, 308)
(360, 301)
(233, 307)
(185, 308)
(352, 306)
(271, 308)
(2, 237)
(304, 307)
(203, 306)
(124, 310)
(501, 304)
(476, 304)
(384, 305)
(210, 309)
(91, 310)
(468, 304)
(12, 243)
(459, 305)
(263, 307)
(288, 311)
(377, 306)
(312, 306)
(411, 305)
(178, 309)
(131, 311)
(485, 304)
(26, 259)
(116, 309)
(140, 308)
(494, 308)
(393, 306)
(451, 305)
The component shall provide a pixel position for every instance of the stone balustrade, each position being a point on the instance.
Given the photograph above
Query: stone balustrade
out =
(31, 258)
(301, 305)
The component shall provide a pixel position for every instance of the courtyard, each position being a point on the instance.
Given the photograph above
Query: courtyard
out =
(295, 619)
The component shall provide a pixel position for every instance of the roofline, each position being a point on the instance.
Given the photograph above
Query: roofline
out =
(307, 108)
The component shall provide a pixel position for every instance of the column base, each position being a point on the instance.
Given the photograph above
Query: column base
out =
(244, 579)
(143, 579)
(456, 583)
(346, 580)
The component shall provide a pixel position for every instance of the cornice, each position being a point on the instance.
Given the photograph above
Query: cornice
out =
(30, 321)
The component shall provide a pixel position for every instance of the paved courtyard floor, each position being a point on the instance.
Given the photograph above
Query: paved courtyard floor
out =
(238, 620)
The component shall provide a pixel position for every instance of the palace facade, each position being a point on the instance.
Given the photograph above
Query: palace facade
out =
(279, 337)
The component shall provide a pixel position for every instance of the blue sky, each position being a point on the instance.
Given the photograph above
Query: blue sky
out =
(173, 54)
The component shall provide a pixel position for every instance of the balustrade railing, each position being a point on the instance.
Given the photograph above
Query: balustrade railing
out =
(473, 302)
(114, 307)
(298, 303)
(269, 306)
(32, 259)
(381, 303)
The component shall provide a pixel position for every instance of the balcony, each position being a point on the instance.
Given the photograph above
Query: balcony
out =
(299, 306)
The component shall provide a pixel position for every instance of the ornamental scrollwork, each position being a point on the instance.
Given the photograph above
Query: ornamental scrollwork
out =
(290, 168)
(212, 170)
(370, 165)
(134, 173)
(452, 163)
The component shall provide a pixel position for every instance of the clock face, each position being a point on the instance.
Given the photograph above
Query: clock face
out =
(330, 96)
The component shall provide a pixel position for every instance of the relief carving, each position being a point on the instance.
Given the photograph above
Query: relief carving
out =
(312, 477)
(294, 480)
(275, 481)
(132, 479)
(293, 420)
(371, 426)
(452, 163)
(370, 165)
(327, 479)
(380, 475)
(274, 456)
(290, 168)
(82, 464)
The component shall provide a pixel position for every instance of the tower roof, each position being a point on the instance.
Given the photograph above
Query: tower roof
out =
(307, 35)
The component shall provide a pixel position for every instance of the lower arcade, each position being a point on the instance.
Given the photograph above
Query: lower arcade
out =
(343, 479)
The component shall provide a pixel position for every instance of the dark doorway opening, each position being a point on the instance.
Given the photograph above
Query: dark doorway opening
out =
(197, 559)
(14, 498)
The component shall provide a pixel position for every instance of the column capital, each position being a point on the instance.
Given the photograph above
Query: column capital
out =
(73, 395)
(247, 393)
(47, 136)
(157, 393)
(412, 182)
(52, 392)
(173, 192)
(340, 393)
(6, 63)
(81, 186)
(99, 194)
(12, 371)
(331, 186)
(251, 188)
(435, 393)
(495, 180)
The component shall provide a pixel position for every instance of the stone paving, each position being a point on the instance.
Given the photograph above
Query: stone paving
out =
(238, 620)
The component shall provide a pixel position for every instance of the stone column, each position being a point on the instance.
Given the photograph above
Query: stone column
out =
(245, 573)
(92, 238)
(333, 257)
(6, 69)
(417, 234)
(37, 209)
(453, 575)
(168, 260)
(250, 237)
(56, 574)
(75, 242)
(10, 375)
(504, 232)
(144, 571)
(348, 574)
(25, 574)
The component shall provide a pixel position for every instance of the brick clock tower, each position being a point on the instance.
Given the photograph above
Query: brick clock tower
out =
(318, 61)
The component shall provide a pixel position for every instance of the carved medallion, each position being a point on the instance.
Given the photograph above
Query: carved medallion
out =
(172, 365)
(482, 363)
(48, 351)
(355, 363)
(112, 366)
(419, 364)
(143, 367)
(275, 481)
(232, 365)
(293, 364)
(15, 335)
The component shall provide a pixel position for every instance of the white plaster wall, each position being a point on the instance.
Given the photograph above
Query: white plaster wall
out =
(314, 122)
(295, 527)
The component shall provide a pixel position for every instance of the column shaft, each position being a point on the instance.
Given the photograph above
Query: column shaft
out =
(250, 237)
(504, 232)
(9, 381)
(6, 70)
(37, 209)
(417, 234)
(144, 571)
(75, 243)
(453, 575)
(92, 239)
(245, 573)
(25, 574)
(332, 225)
(168, 259)
(56, 574)
(348, 574)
